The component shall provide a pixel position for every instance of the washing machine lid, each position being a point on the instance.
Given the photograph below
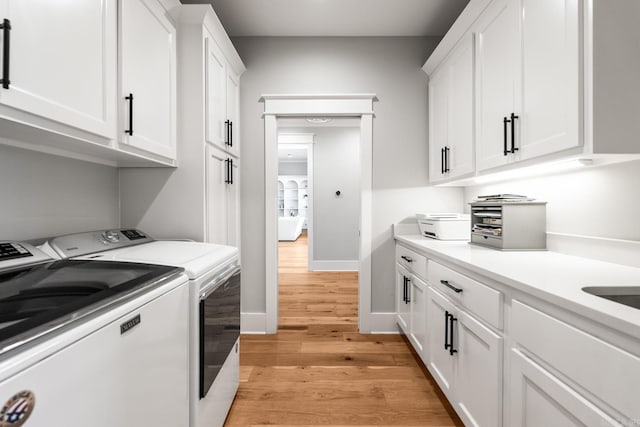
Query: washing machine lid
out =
(196, 258)
(36, 300)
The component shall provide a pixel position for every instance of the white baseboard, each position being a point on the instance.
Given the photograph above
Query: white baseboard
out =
(626, 252)
(253, 323)
(383, 323)
(334, 265)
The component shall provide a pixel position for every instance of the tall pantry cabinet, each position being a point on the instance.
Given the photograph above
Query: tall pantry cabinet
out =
(198, 200)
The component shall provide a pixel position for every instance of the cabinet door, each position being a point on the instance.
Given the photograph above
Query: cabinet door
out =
(148, 72)
(438, 123)
(460, 118)
(216, 95)
(441, 362)
(63, 62)
(216, 189)
(478, 381)
(403, 298)
(551, 72)
(538, 398)
(233, 204)
(233, 87)
(496, 81)
(418, 334)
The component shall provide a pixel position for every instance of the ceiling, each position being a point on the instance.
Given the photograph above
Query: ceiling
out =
(326, 18)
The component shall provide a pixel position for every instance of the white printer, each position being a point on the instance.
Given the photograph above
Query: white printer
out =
(445, 226)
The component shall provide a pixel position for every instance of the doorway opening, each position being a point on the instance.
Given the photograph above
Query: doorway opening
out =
(279, 107)
(318, 221)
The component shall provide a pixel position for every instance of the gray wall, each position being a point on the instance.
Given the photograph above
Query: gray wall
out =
(388, 67)
(44, 195)
(292, 168)
(336, 219)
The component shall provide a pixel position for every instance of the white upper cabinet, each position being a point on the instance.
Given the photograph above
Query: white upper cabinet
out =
(497, 80)
(147, 102)
(61, 62)
(222, 89)
(551, 77)
(528, 80)
(451, 115)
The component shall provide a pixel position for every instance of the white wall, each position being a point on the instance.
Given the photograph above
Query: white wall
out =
(292, 168)
(388, 67)
(336, 219)
(44, 195)
(598, 202)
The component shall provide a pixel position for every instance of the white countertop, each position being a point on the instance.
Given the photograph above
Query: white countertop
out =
(551, 276)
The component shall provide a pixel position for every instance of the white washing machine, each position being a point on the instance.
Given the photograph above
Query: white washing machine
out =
(91, 343)
(214, 306)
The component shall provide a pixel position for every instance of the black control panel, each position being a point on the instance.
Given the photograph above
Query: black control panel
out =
(12, 250)
(133, 234)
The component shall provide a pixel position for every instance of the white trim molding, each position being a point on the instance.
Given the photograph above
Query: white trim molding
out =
(384, 323)
(253, 323)
(325, 105)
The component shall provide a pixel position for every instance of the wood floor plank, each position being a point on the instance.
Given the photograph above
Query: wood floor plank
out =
(319, 371)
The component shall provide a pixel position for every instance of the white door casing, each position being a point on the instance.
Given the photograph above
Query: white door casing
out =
(325, 105)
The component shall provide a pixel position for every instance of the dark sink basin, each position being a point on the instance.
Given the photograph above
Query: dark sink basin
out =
(627, 295)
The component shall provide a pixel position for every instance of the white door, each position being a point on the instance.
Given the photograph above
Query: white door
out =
(419, 316)
(551, 71)
(216, 95)
(216, 189)
(478, 380)
(62, 62)
(148, 73)
(496, 82)
(460, 159)
(403, 298)
(538, 398)
(233, 88)
(441, 361)
(438, 123)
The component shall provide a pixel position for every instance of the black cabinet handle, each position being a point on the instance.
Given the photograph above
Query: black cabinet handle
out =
(227, 178)
(513, 132)
(450, 286)
(446, 330)
(406, 258)
(230, 133)
(130, 99)
(446, 160)
(408, 292)
(442, 160)
(504, 128)
(6, 46)
(227, 130)
(231, 171)
(404, 289)
(452, 319)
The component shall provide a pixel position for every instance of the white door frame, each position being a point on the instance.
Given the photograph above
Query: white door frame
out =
(329, 105)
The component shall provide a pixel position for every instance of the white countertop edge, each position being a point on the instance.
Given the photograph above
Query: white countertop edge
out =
(618, 317)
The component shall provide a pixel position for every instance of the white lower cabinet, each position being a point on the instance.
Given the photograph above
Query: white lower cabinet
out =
(538, 398)
(222, 198)
(465, 358)
(418, 331)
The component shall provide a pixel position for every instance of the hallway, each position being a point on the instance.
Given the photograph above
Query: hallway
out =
(318, 370)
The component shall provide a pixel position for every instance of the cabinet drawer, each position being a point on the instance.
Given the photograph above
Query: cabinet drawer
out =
(494, 242)
(599, 367)
(412, 261)
(478, 298)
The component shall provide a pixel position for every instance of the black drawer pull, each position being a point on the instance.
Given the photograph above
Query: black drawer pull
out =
(504, 128)
(406, 258)
(450, 286)
(6, 46)
(452, 319)
(513, 133)
(446, 330)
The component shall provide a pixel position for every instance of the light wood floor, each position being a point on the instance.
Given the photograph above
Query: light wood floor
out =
(319, 371)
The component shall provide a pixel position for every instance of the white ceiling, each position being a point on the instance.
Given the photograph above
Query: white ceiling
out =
(336, 17)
